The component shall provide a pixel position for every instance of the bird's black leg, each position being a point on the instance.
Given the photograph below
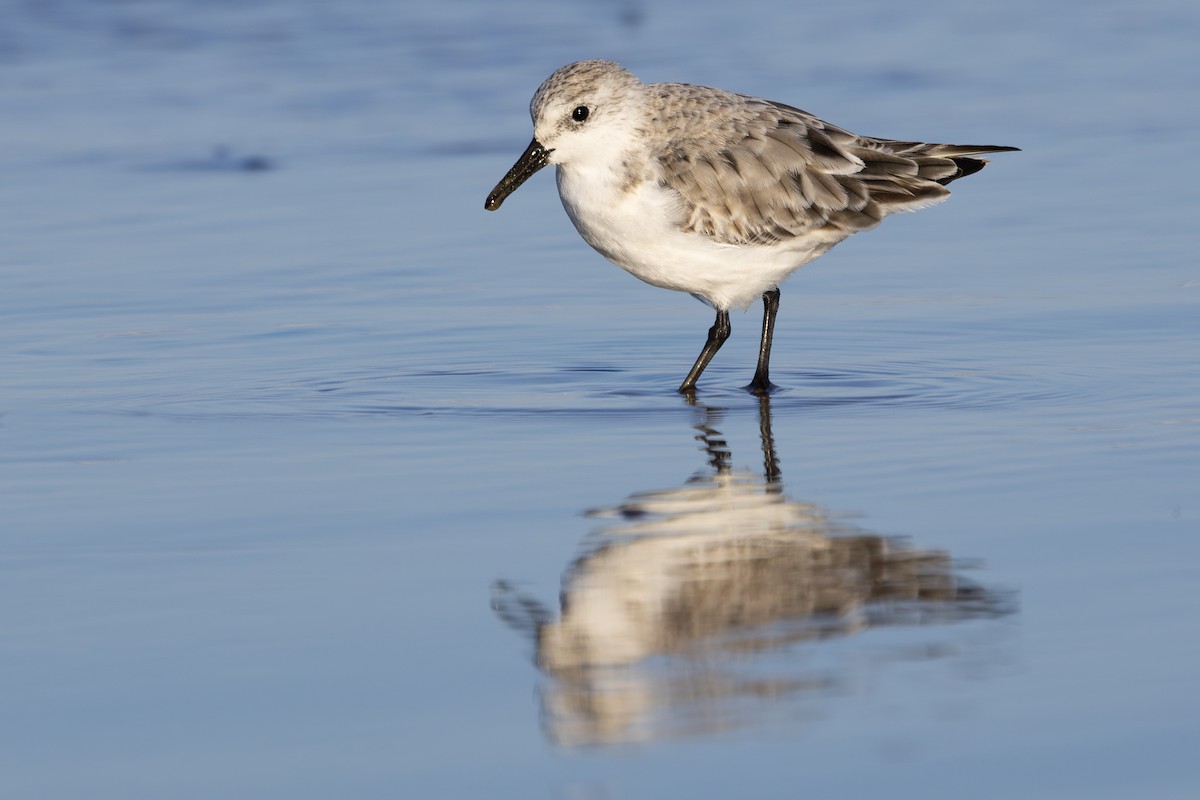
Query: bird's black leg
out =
(761, 382)
(717, 335)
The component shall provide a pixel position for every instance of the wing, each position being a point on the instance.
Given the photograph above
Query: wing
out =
(766, 172)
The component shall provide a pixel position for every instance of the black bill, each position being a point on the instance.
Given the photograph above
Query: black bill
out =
(533, 159)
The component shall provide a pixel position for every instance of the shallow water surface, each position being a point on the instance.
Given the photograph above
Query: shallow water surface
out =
(318, 479)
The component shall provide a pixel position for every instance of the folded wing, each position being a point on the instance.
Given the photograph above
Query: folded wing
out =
(779, 173)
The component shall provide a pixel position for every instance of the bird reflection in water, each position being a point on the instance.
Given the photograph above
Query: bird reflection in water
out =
(686, 615)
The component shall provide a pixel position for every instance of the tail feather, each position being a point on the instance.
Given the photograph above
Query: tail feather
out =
(943, 150)
(957, 153)
(966, 166)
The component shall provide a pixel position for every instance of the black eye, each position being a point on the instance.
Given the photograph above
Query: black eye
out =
(580, 114)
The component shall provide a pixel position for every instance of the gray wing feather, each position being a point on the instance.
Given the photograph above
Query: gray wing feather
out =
(771, 172)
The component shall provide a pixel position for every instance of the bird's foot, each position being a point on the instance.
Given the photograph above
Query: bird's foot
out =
(760, 386)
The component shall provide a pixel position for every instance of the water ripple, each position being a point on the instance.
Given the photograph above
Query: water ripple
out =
(479, 390)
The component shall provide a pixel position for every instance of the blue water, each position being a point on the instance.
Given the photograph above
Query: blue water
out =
(316, 479)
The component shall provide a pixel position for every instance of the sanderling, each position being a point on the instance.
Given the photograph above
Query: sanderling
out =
(717, 194)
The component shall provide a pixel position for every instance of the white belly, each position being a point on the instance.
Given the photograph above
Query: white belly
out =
(639, 230)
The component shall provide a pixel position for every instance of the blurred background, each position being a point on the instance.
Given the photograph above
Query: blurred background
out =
(316, 478)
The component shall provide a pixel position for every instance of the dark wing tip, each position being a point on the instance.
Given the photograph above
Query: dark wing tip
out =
(966, 166)
(969, 166)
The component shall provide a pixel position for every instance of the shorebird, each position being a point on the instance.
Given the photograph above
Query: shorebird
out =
(717, 194)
